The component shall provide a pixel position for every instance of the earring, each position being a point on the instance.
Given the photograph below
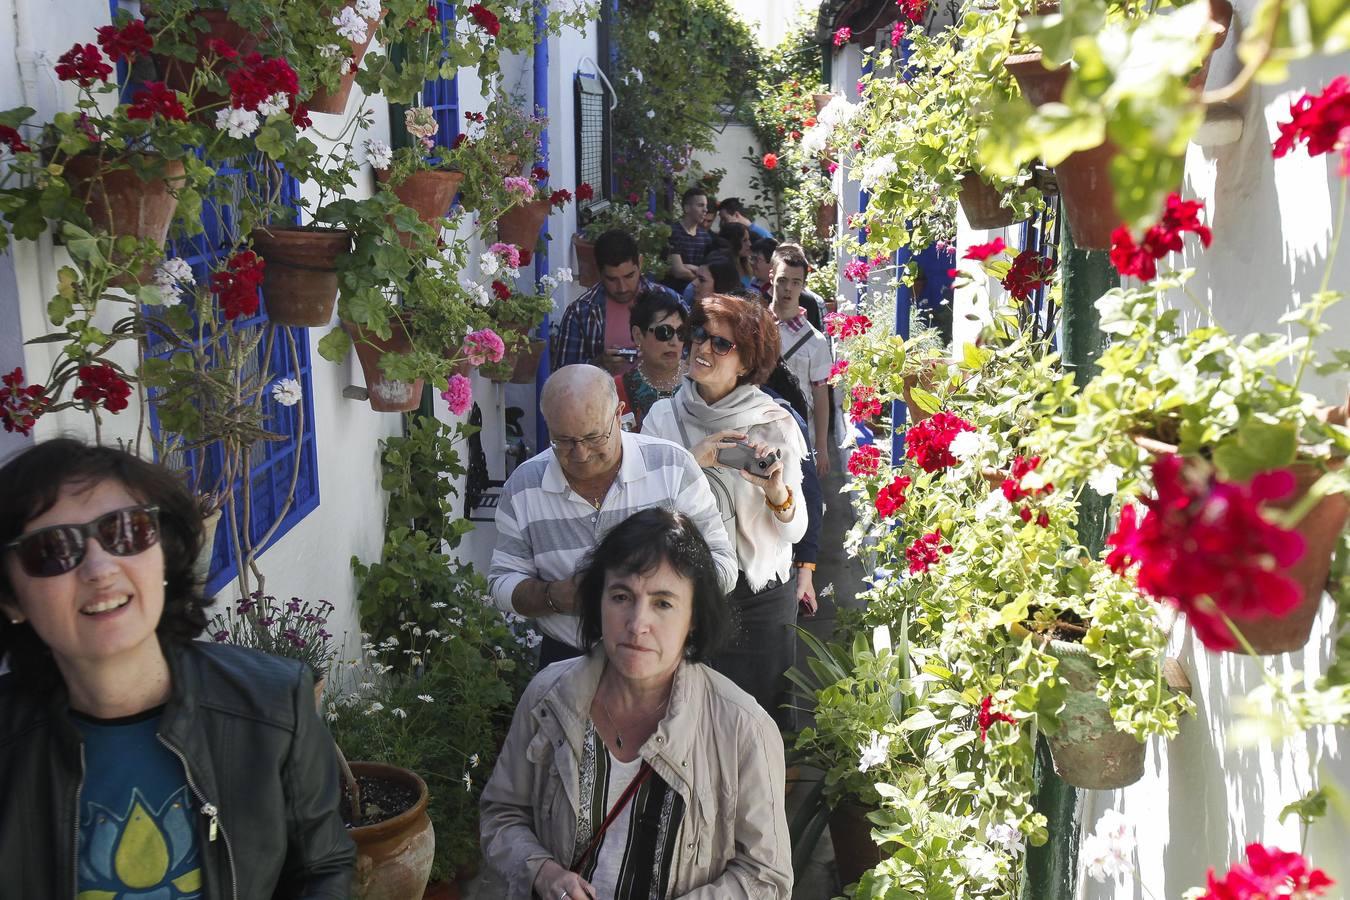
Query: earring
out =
(166, 582)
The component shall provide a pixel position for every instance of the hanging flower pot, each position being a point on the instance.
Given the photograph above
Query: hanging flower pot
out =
(385, 394)
(981, 203)
(335, 102)
(821, 101)
(428, 192)
(177, 74)
(521, 225)
(393, 857)
(851, 833)
(522, 363)
(827, 216)
(300, 282)
(122, 203)
(588, 271)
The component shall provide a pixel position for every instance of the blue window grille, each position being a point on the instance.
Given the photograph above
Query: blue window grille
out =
(273, 464)
(441, 95)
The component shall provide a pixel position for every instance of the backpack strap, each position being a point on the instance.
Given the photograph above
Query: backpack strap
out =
(797, 346)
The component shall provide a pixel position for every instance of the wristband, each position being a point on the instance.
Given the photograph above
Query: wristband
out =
(805, 565)
(779, 507)
(548, 586)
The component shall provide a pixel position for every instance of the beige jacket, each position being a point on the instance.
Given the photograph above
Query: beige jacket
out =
(715, 747)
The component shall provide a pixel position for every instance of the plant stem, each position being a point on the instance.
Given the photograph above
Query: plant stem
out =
(1244, 78)
(1332, 249)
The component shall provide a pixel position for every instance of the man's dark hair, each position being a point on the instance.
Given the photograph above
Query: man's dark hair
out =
(638, 545)
(764, 248)
(31, 483)
(726, 274)
(792, 255)
(616, 247)
(732, 205)
(691, 193)
(653, 305)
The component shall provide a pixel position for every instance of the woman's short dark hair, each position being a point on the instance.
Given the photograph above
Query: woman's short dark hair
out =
(653, 305)
(31, 483)
(640, 544)
(752, 328)
(737, 237)
(726, 275)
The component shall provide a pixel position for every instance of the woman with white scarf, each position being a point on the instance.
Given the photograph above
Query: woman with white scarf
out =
(733, 346)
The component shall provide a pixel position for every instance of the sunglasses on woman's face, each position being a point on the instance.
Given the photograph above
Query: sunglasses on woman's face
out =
(663, 332)
(58, 549)
(720, 345)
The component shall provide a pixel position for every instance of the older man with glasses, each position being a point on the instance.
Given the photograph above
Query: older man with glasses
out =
(558, 505)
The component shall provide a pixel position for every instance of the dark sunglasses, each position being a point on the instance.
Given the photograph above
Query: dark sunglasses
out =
(663, 332)
(56, 550)
(720, 345)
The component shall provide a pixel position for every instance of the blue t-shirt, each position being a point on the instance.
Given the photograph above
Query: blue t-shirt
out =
(137, 814)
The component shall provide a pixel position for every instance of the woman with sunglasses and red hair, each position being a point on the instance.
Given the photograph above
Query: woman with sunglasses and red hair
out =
(733, 348)
(133, 758)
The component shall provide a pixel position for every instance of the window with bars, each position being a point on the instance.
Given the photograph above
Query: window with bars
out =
(593, 140)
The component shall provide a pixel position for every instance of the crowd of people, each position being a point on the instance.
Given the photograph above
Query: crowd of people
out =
(663, 544)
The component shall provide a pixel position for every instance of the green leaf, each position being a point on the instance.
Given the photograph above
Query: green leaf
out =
(1304, 27)
(923, 718)
(81, 244)
(335, 345)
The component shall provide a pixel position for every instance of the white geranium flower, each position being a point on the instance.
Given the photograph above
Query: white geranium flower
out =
(174, 274)
(875, 174)
(287, 392)
(637, 74)
(564, 275)
(1105, 480)
(238, 123)
(875, 752)
(814, 139)
(651, 114)
(532, 639)
(654, 36)
(980, 863)
(547, 283)
(970, 445)
(330, 51)
(401, 713)
(378, 153)
(1107, 851)
(512, 13)
(1004, 836)
(481, 295)
(277, 103)
(489, 264)
(368, 9)
(350, 25)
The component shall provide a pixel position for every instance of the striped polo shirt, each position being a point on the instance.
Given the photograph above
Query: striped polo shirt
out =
(544, 528)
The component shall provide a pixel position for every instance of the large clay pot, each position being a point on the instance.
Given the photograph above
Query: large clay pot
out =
(851, 833)
(827, 217)
(588, 272)
(394, 857)
(521, 225)
(121, 202)
(980, 201)
(429, 193)
(385, 394)
(177, 74)
(300, 282)
(1088, 750)
(335, 102)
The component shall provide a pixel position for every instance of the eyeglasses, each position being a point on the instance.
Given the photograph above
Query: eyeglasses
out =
(590, 441)
(663, 332)
(57, 549)
(720, 345)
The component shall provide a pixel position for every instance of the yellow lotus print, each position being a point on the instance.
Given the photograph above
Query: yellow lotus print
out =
(143, 854)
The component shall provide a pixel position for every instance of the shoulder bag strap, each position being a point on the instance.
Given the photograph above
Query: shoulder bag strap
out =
(797, 346)
(599, 835)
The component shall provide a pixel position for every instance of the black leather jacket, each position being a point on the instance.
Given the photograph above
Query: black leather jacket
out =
(257, 756)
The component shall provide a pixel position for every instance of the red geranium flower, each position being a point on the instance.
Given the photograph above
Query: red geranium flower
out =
(237, 284)
(982, 252)
(1012, 487)
(926, 551)
(988, 716)
(1129, 258)
(20, 404)
(539, 173)
(300, 115)
(501, 290)
(865, 460)
(585, 191)
(897, 34)
(153, 98)
(842, 326)
(914, 10)
(259, 79)
(433, 15)
(1029, 271)
(1268, 874)
(633, 197)
(83, 64)
(839, 367)
(125, 42)
(1204, 547)
(865, 404)
(221, 49)
(927, 443)
(1321, 121)
(842, 36)
(12, 139)
(857, 270)
(770, 160)
(892, 496)
(559, 197)
(486, 19)
(1178, 217)
(102, 384)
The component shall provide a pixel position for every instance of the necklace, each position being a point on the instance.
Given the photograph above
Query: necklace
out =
(618, 735)
(664, 389)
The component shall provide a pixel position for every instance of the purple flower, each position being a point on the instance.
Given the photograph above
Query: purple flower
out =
(323, 635)
(221, 636)
(246, 605)
(267, 621)
(294, 605)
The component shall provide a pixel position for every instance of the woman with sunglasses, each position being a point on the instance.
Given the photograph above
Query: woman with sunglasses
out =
(133, 758)
(733, 347)
(657, 322)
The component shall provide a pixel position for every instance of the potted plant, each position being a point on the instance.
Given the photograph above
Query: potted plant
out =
(514, 315)
(425, 183)
(295, 629)
(650, 232)
(497, 144)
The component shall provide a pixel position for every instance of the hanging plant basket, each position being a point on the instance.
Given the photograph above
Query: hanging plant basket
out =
(588, 271)
(300, 281)
(335, 102)
(1321, 531)
(393, 857)
(827, 216)
(851, 833)
(428, 192)
(177, 74)
(121, 202)
(521, 225)
(384, 393)
(981, 203)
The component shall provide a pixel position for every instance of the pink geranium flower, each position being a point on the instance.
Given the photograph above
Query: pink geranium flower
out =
(459, 394)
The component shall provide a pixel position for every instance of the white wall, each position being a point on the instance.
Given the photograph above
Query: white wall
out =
(731, 147)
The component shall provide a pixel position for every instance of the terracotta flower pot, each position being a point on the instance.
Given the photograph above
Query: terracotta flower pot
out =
(521, 225)
(821, 101)
(588, 271)
(385, 394)
(201, 566)
(429, 193)
(177, 74)
(827, 217)
(523, 364)
(122, 203)
(335, 102)
(980, 201)
(300, 282)
(851, 833)
(394, 857)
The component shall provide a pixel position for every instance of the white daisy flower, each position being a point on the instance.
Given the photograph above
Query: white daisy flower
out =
(426, 698)
(875, 752)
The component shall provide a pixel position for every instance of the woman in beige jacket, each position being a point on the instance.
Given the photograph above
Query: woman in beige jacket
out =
(636, 770)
